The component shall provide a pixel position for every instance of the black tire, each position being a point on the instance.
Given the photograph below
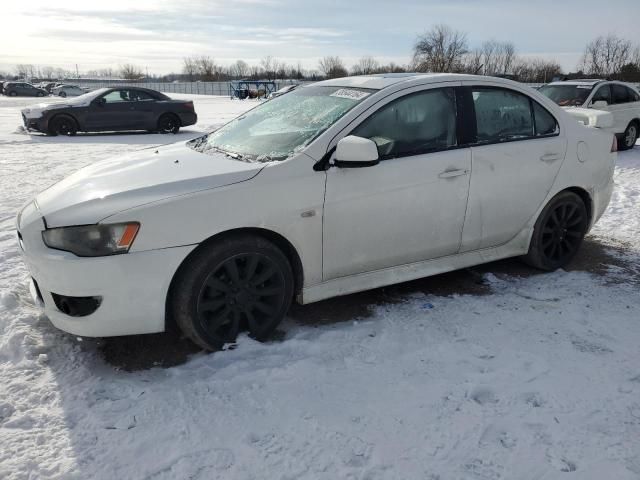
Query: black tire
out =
(629, 137)
(168, 123)
(40, 94)
(240, 282)
(63, 125)
(558, 232)
(62, 94)
(13, 94)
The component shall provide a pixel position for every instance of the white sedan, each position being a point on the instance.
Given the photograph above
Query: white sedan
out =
(67, 91)
(620, 99)
(337, 187)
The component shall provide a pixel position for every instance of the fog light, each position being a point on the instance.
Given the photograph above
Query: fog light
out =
(76, 306)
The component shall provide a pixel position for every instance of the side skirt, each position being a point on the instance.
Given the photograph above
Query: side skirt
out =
(379, 278)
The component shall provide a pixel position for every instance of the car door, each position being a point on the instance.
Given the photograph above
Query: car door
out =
(624, 108)
(144, 109)
(517, 149)
(112, 111)
(408, 208)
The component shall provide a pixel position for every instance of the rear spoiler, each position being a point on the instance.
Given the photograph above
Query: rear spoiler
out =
(591, 118)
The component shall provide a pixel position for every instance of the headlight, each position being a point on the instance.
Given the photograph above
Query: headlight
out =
(92, 240)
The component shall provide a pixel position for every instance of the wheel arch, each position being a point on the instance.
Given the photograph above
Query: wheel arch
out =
(169, 112)
(276, 238)
(586, 198)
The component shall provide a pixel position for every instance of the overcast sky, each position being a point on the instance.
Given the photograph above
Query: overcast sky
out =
(157, 34)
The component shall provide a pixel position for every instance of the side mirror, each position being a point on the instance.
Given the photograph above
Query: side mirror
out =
(100, 101)
(599, 104)
(356, 152)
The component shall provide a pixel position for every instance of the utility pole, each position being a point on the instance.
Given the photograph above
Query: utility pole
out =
(77, 71)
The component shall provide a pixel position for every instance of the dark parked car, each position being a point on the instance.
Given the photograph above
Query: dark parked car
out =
(23, 89)
(109, 109)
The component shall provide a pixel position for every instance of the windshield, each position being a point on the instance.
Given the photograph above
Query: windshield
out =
(567, 95)
(282, 126)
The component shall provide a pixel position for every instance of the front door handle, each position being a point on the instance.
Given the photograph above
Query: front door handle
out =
(453, 173)
(550, 157)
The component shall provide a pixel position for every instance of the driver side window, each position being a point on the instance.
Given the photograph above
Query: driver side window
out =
(414, 124)
(117, 96)
(602, 94)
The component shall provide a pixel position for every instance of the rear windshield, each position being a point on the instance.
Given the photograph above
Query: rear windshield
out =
(567, 95)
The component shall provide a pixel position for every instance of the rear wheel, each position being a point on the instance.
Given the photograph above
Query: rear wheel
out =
(629, 137)
(12, 94)
(63, 125)
(168, 123)
(62, 94)
(241, 282)
(40, 94)
(558, 232)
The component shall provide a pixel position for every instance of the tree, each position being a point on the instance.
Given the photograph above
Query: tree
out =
(206, 68)
(239, 69)
(440, 49)
(25, 71)
(536, 70)
(365, 66)
(190, 67)
(131, 72)
(492, 58)
(606, 55)
(267, 64)
(332, 67)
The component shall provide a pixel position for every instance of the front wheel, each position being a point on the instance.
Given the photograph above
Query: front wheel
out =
(168, 123)
(40, 94)
(63, 125)
(241, 282)
(558, 232)
(629, 137)
(13, 94)
(62, 94)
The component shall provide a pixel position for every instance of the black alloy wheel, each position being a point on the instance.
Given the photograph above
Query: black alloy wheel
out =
(240, 283)
(247, 289)
(168, 123)
(558, 232)
(63, 125)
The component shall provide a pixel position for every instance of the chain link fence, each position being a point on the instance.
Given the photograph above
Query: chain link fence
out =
(191, 88)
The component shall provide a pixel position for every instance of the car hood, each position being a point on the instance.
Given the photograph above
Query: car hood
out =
(79, 101)
(113, 185)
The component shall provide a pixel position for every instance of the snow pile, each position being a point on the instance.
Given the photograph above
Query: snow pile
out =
(528, 377)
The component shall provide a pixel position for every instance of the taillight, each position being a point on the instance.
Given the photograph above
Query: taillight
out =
(614, 145)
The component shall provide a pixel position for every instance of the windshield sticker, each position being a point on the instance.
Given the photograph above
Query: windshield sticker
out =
(350, 94)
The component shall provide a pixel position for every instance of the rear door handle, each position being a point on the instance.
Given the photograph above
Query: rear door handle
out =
(550, 157)
(453, 173)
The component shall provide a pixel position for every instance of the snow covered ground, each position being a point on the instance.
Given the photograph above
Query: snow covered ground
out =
(491, 373)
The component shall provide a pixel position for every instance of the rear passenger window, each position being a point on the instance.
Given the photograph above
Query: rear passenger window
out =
(633, 95)
(417, 123)
(502, 115)
(544, 121)
(620, 93)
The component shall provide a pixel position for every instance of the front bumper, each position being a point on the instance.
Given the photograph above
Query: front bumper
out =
(133, 287)
(41, 124)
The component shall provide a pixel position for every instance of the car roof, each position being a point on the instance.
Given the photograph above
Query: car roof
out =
(384, 80)
(579, 81)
